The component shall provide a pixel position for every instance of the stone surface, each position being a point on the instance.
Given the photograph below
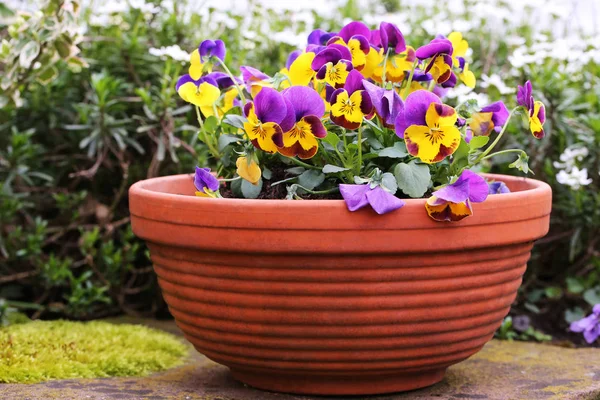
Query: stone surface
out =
(501, 371)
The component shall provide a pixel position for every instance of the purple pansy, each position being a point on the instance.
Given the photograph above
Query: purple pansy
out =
(358, 196)
(415, 109)
(498, 187)
(319, 37)
(308, 108)
(453, 202)
(333, 64)
(223, 80)
(590, 325)
(251, 74)
(535, 109)
(352, 103)
(212, 48)
(435, 47)
(203, 180)
(387, 103)
(440, 51)
(489, 118)
(391, 38)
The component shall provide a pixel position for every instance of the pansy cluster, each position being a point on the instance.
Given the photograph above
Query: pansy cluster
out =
(358, 113)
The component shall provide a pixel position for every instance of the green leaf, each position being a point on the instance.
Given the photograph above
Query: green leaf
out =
(311, 178)
(554, 292)
(226, 140)
(412, 178)
(396, 151)
(592, 296)
(388, 181)
(235, 120)
(266, 173)
(250, 191)
(478, 142)
(29, 53)
(575, 314)
(522, 163)
(295, 170)
(333, 169)
(460, 158)
(211, 124)
(332, 139)
(47, 76)
(574, 285)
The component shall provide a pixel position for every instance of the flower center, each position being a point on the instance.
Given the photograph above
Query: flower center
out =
(259, 130)
(435, 134)
(347, 107)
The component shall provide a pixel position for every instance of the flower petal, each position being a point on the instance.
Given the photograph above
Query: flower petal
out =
(354, 195)
(203, 178)
(383, 201)
(305, 101)
(354, 28)
(248, 170)
(270, 106)
(415, 110)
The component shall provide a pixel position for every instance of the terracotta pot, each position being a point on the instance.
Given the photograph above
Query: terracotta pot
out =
(307, 297)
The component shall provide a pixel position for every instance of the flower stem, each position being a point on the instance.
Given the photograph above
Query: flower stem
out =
(231, 179)
(239, 89)
(359, 143)
(502, 152)
(410, 79)
(383, 72)
(205, 139)
(332, 190)
(302, 163)
(491, 147)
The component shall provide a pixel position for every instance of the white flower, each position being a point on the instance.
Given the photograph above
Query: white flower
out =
(496, 81)
(143, 6)
(174, 52)
(290, 38)
(570, 156)
(575, 179)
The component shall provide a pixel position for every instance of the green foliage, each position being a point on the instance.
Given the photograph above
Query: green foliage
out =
(42, 350)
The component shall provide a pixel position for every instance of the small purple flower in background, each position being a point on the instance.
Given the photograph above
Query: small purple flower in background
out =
(536, 110)
(490, 118)
(498, 187)
(377, 192)
(212, 48)
(387, 103)
(521, 323)
(453, 202)
(391, 38)
(206, 183)
(440, 66)
(319, 37)
(590, 325)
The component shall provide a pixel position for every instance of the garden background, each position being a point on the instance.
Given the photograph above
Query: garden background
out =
(88, 107)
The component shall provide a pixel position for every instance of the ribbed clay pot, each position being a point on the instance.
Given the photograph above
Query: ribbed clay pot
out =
(307, 297)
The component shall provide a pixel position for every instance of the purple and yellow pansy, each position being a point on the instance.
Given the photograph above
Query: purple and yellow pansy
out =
(439, 52)
(490, 118)
(308, 108)
(202, 92)
(269, 116)
(355, 36)
(454, 202)
(535, 110)
(350, 105)
(428, 127)
(332, 65)
(386, 102)
(207, 185)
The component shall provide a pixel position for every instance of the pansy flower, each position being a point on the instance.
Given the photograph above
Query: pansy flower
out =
(453, 202)
(498, 187)
(301, 140)
(248, 169)
(203, 92)
(536, 110)
(465, 74)
(205, 182)
(300, 71)
(459, 47)
(387, 103)
(378, 192)
(319, 37)
(333, 65)
(428, 127)
(254, 79)
(212, 48)
(439, 51)
(352, 103)
(590, 325)
(391, 39)
(490, 118)
(356, 36)
(227, 100)
(269, 116)
(396, 67)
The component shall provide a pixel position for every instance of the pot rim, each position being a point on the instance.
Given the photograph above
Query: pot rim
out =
(146, 188)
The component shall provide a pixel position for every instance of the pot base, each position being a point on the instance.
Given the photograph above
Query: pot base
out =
(365, 384)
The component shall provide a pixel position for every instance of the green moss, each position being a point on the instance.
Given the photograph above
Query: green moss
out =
(43, 350)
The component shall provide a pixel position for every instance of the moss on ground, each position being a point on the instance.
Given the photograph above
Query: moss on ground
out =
(43, 350)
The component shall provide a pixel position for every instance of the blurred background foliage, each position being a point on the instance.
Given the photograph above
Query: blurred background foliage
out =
(87, 110)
